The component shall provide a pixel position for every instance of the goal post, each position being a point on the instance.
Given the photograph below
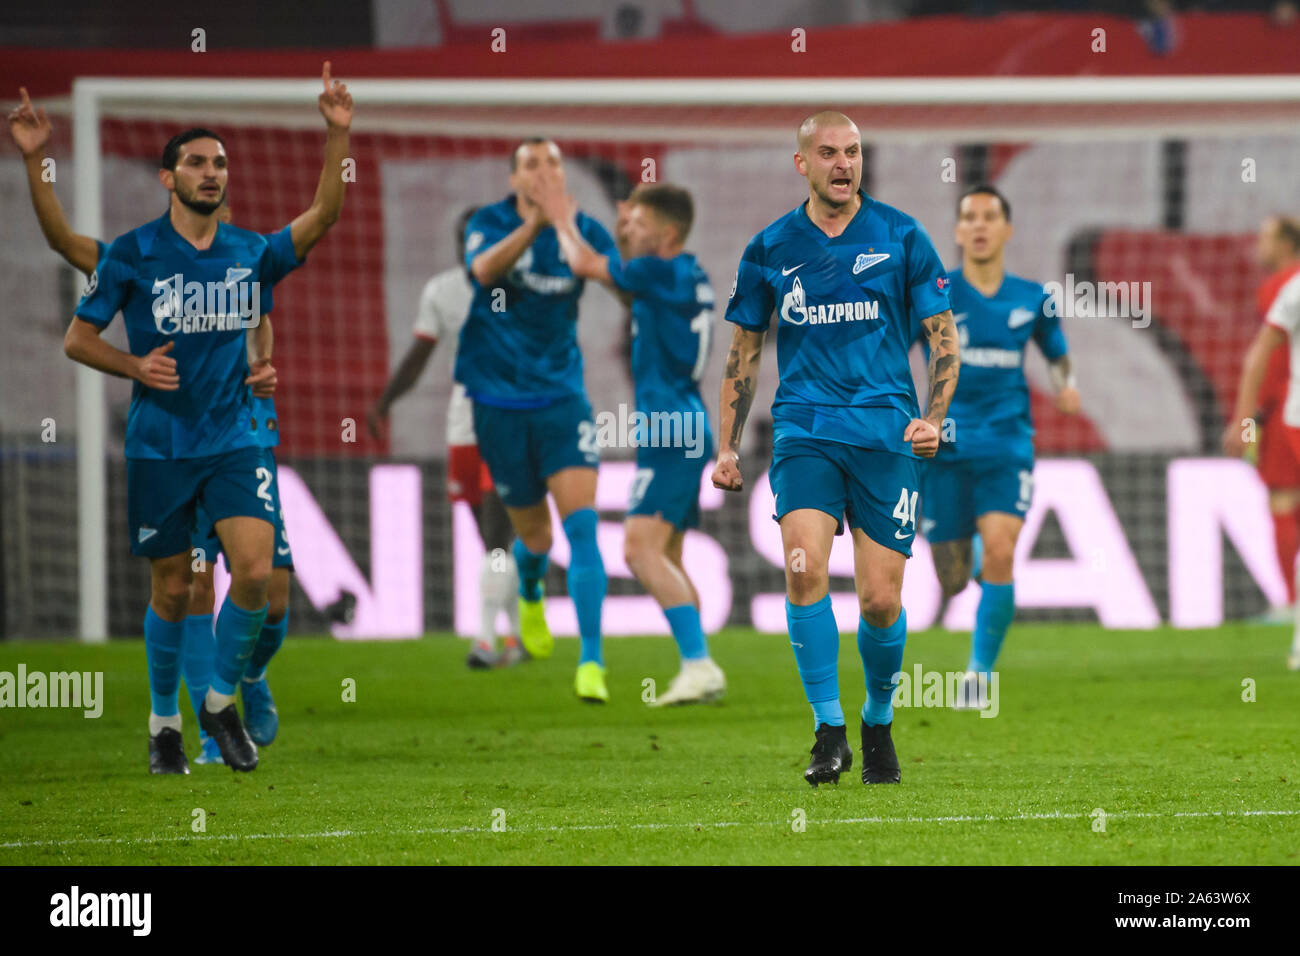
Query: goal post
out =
(1098, 140)
(92, 492)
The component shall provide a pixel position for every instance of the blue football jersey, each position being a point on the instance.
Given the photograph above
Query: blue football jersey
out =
(266, 424)
(848, 309)
(168, 291)
(990, 408)
(519, 345)
(672, 328)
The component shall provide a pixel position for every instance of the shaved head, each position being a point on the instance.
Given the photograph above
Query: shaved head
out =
(829, 156)
(819, 123)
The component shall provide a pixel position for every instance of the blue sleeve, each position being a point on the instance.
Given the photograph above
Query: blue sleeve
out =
(751, 302)
(927, 280)
(1047, 331)
(483, 231)
(597, 236)
(638, 276)
(109, 285)
(283, 257)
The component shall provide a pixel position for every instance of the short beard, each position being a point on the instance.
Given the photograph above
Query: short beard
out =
(205, 207)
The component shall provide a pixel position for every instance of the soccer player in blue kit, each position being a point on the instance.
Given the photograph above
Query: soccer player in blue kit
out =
(853, 282)
(672, 316)
(519, 361)
(188, 287)
(982, 479)
(289, 246)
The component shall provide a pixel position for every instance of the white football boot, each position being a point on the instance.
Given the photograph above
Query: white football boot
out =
(698, 682)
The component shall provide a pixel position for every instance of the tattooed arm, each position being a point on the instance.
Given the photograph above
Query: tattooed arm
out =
(945, 362)
(739, 382)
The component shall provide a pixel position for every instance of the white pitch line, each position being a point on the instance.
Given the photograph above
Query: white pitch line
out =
(579, 828)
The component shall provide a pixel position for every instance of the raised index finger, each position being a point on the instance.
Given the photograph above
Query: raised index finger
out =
(325, 75)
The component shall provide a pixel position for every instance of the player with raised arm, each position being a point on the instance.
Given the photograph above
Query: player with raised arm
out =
(188, 287)
(444, 304)
(289, 246)
(519, 361)
(1281, 295)
(852, 281)
(672, 314)
(982, 479)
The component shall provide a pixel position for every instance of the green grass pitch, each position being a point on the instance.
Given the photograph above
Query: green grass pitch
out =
(1150, 727)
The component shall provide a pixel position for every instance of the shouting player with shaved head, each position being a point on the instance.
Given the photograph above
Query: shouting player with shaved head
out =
(853, 282)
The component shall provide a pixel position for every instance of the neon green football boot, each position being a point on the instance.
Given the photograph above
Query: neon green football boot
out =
(533, 632)
(589, 683)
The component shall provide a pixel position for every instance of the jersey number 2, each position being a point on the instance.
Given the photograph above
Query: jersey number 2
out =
(263, 492)
(587, 439)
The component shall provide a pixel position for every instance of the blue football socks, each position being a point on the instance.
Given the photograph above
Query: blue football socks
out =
(687, 631)
(816, 643)
(532, 568)
(882, 658)
(996, 608)
(268, 642)
(162, 648)
(198, 657)
(237, 630)
(586, 580)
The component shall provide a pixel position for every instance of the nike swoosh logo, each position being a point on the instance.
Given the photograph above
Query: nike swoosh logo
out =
(1020, 317)
(282, 551)
(786, 272)
(903, 537)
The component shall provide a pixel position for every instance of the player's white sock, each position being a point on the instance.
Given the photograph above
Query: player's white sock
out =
(157, 724)
(215, 703)
(501, 586)
(508, 596)
(488, 601)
